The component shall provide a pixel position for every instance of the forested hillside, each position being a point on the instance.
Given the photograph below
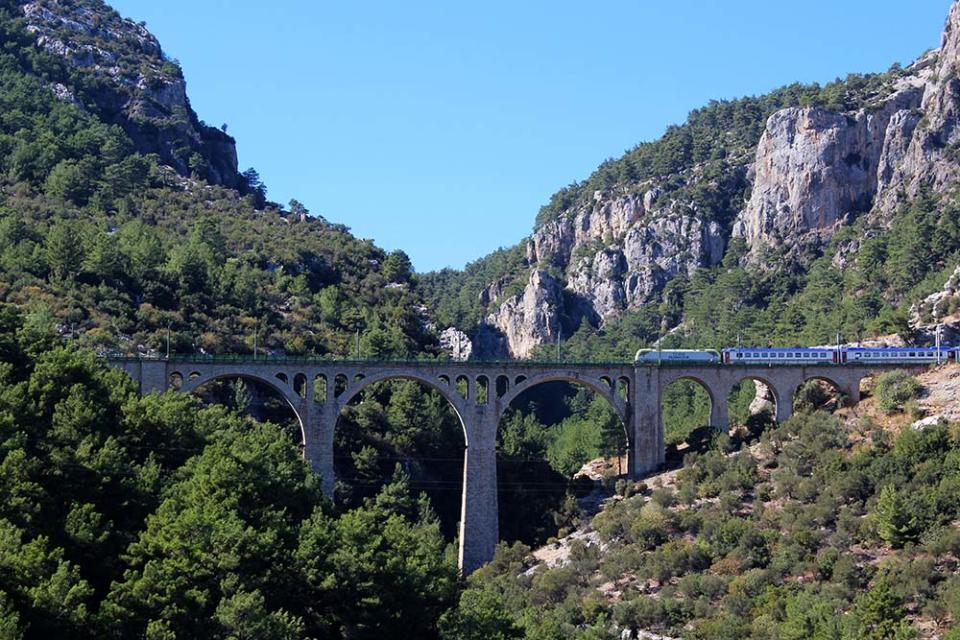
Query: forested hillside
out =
(154, 517)
(125, 225)
(824, 527)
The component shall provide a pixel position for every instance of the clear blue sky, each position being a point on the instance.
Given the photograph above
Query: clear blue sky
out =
(441, 127)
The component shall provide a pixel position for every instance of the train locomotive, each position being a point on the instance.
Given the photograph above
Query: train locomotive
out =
(787, 356)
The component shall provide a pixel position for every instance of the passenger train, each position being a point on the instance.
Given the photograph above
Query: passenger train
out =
(779, 356)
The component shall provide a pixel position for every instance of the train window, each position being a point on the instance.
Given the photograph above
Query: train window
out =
(913, 354)
(789, 355)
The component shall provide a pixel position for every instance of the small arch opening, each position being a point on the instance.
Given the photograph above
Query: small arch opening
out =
(685, 408)
(193, 375)
(300, 385)
(482, 389)
(339, 385)
(503, 385)
(818, 394)
(320, 388)
(520, 380)
(358, 377)
(606, 382)
(175, 381)
(623, 388)
(444, 380)
(282, 377)
(463, 386)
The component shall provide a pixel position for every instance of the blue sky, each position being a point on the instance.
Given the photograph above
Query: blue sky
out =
(441, 127)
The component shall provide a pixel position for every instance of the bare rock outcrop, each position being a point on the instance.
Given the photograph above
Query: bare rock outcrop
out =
(532, 317)
(456, 343)
(930, 158)
(816, 170)
(137, 86)
(763, 400)
(616, 254)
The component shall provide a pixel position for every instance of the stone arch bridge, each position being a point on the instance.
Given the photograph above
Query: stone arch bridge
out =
(480, 392)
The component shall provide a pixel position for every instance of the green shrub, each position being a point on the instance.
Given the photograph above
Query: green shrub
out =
(894, 389)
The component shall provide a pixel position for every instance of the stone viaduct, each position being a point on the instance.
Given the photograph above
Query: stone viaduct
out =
(480, 392)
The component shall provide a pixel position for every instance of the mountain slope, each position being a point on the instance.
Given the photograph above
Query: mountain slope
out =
(123, 219)
(767, 183)
(116, 68)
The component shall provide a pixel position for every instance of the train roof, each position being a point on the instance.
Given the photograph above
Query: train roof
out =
(791, 349)
(943, 347)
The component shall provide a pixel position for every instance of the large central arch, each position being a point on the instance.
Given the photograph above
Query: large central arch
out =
(356, 387)
(535, 474)
(452, 508)
(604, 386)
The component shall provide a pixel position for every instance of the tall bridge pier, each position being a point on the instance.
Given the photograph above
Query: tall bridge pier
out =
(318, 390)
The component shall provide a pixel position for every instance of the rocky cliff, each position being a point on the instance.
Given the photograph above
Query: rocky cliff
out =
(116, 68)
(816, 170)
(855, 148)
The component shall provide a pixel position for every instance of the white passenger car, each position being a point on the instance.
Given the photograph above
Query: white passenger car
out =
(780, 356)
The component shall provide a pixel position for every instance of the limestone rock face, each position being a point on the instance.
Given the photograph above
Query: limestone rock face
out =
(457, 343)
(616, 254)
(927, 158)
(816, 170)
(138, 87)
(813, 170)
(940, 305)
(532, 317)
(763, 400)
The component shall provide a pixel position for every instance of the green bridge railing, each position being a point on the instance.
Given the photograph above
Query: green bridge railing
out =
(195, 358)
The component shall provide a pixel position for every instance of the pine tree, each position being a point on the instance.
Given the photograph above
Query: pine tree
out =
(895, 524)
(64, 251)
(879, 615)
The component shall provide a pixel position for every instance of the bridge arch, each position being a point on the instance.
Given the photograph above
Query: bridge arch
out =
(677, 426)
(444, 478)
(819, 391)
(292, 400)
(455, 400)
(753, 395)
(535, 473)
(599, 386)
